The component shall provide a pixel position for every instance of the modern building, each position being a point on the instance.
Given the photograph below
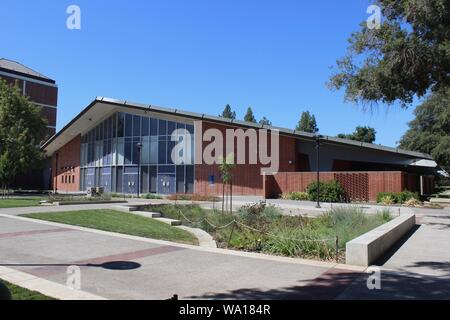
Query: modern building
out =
(43, 92)
(124, 146)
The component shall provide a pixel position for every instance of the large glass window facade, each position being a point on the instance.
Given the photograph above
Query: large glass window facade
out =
(126, 151)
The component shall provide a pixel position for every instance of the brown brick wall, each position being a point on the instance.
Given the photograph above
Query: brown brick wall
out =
(50, 115)
(66, 177)
(362, 186)
(247, 179)
(40, 93)
(13, 81)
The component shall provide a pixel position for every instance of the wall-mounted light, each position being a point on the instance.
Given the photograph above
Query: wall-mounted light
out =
(291, 162)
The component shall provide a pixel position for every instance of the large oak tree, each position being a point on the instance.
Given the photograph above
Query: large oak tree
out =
(407, 56)
(429, 132)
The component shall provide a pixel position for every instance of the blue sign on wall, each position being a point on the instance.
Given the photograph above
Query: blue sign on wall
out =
(211, 180)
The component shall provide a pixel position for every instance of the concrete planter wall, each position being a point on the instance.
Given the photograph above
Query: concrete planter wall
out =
(367, 248)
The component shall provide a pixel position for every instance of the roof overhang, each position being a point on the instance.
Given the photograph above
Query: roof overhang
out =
(424, 163)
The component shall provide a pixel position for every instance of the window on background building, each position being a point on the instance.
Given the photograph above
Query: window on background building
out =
(162, 150)
(153, 127)
(170, 127)
(128, 150)
(114, 126)
(145, 126)
(154, 150)
(120, 125)
(128, 125)
(136, 153)
(120, 151)
(119, 180)
(153, 179)
(162, 127)
(170, 146)
(145, 154)
(136, 126)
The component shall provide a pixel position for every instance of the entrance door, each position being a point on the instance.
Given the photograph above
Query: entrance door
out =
(89, 178)
(166, 184)
(130, 183)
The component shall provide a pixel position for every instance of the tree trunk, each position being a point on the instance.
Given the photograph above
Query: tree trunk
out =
(231, 196)
(223, 196)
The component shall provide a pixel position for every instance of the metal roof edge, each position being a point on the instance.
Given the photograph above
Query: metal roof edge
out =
(296, 133)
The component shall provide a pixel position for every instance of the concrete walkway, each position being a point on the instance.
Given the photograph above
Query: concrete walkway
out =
(117, 266)
(418, 267)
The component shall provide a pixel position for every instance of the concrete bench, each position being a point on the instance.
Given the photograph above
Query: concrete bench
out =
(367, 248)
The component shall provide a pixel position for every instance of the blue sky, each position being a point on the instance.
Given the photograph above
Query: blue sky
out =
(198, 55)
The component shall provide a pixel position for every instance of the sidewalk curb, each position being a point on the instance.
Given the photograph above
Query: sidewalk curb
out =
(46, 287)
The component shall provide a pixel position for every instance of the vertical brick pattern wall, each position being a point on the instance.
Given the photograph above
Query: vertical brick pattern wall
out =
(362, 186)
(247, 178)
(356, 185)
(66, 178)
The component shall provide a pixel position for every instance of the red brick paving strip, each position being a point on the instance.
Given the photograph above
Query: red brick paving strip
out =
(329, 285)
(32, 232)
(49, 270)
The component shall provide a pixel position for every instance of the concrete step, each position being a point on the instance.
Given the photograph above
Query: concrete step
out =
(127, 208)
(170, 222)
(147, 214)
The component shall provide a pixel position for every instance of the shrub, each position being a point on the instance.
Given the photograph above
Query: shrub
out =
(385, 195)
(151, 196)
(298, 242)
(192, 197)
(295, 195)
(330, 191)
(406, 195)
(396, 197)
(387, 200)
(258, 212)
(412, 203)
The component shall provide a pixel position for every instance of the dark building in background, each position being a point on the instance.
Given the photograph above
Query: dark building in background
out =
(43, 92)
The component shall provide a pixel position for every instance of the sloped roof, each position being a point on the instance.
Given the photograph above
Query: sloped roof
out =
(100, 104)
(20, 68)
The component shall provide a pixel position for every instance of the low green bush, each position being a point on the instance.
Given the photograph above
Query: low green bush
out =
(330, 191)
(151, 196)
(257, 213)
(295, 195)
(396, 197)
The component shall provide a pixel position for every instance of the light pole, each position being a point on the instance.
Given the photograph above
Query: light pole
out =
(139, 146)
(56, 172)
(317, 136)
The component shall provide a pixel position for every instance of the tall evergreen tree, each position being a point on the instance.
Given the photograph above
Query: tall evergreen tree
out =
(265, 121)
(22, 129)
(228, 113)
(249, 115)
(307, 123)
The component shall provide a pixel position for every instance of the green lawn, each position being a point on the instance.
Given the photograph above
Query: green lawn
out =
(121, 222)
(19, 293)
(20, 202)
